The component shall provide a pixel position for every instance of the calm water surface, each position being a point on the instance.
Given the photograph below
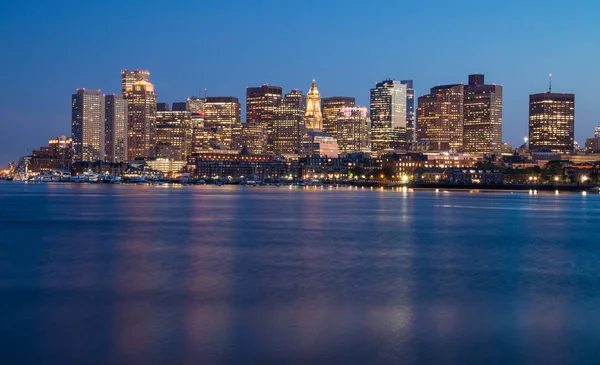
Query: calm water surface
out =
(189, 275)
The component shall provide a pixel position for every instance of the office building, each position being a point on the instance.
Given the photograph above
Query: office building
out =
(254, 138)
(353, 130)
(410, 110)
(174, 133)
(115, 131)
(163, 107)
(141, 120)
(261, 102)
(440, 116)
(482, 128)
(128, 77)
(221, 115)
(87, 125)
(195, 105)
(288, 123)
(388, 116)
(331, 108)
(551, 122)
(313, 117)
(179, 106)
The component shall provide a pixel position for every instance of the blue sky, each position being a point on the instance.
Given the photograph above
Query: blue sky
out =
(51, 48)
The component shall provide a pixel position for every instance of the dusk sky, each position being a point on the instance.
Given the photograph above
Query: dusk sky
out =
(51, 48)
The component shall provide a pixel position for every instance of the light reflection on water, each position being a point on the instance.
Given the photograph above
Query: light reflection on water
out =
(127, 274)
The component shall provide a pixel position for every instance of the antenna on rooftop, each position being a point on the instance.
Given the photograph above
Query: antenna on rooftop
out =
(550, 83)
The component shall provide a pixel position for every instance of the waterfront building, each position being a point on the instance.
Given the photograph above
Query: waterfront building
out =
(87, 125)
(128, 77)
(57, 155)
(141, 120)
(440, 116)
(353, 130)
(289, 123)
(410, 110)
(237, 166)
(331, 111)
(552, 122)
(388, 116)
(313, 117)
(221, 115)
(174, 133)
(482, 131)
(115, 132)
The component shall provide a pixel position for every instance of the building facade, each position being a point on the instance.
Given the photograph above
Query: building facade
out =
(87, 125)
(141, 120)
(353, 130)
(115, 131)
(440, 116)
(174, 133)
(388, 116)
(289, 123)
(261, 103)
(313, 118)
(331, 111)
(221, 115)
(128, 77)
(482, 131)
(552, 122)
(410, 110)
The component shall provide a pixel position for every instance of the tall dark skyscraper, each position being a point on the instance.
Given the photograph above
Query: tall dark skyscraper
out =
(410, 110)
(289, 123)
(388, 116)
(482, 132)
(115, 133)
(331, 108)
(179, 106)
(440, 116)
(552, 122)
(261, 102)
(87, 125)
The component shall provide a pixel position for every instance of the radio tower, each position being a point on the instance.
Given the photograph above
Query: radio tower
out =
(550, 83)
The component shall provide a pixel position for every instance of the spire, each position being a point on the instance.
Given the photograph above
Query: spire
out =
(313, 89)
(314, 118)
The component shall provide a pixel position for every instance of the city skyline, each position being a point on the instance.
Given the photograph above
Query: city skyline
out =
(520, 65)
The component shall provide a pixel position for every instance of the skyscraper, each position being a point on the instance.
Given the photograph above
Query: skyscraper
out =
(141, 120)
(331, 109)
(552, 122)
(440, 116)
(87, 125)
(179, 106)
(353, 130)
(388, 115)
(221, 115)
(288, 123)
(128, 77)
(313, 117)
(261, 102)
(173, 135)
(482, 132)
(115, 132)
(410, 110)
